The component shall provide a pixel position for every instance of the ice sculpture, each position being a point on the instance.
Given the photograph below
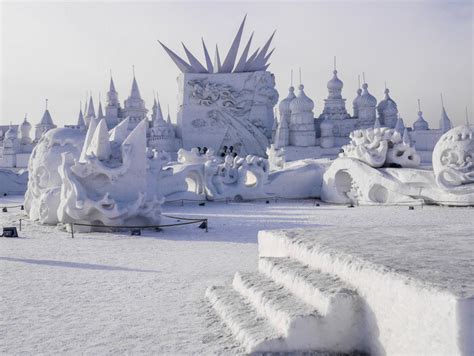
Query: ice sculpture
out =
(380, 147)
(453, 160)
(110, 181)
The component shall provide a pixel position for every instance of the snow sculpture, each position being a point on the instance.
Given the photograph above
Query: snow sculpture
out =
(110, 184)
(453, 160)
(193, 156)
(236, 177)
(44, 185)
(228, 104)
(110, 181)
(380, 146)
(450, 183)
(276, 157)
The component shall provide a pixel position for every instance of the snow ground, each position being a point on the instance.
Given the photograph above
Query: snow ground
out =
(116, 293)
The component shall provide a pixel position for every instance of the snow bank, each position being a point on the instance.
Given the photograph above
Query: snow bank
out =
(418, 293)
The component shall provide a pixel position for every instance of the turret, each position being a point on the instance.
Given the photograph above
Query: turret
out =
(302, 129)
(46, 123)
(90, 114)
(134, 107)
(387, 110)
(112, 110)
(25, 129)
(334, 105)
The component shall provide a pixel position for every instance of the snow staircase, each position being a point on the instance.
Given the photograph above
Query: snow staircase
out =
(287, 306)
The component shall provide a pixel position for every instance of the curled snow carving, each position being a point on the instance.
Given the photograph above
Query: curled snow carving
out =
(111, 181)
(453, 160)
(380, 147)
(236, 176)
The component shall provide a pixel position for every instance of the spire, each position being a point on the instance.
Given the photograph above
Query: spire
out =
(210, 67)
(217, 61)
(406, 138)
(240, 67)
(260, 60)
(90, 108)
(112, 85)
(135, 92)
(100, 145)
(197, 66)
(158, 114)
(101, 113)
(248, 64)
(400, 125)
(444, 123)
(168, 118)
(180, 63)
(80, 120)
(229, 60)
(46, 120)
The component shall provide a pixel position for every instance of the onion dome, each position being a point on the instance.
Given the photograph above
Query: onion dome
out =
(390, 109)
(284, 105)
(420, 123)
(335, 83)
(25, 125)
(384, 103)
(11, 133)
(367, 99)
(356, 100)
(301, 103)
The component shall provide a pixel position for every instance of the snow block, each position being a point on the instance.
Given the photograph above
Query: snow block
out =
(251, 330)
(303, 327)
(338, 302)
(418, 292)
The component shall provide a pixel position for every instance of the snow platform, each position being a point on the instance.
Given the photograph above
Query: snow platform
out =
(415, 286)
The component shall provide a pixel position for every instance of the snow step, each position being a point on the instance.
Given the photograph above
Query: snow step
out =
(249, 328)
(303, 327)
(327, 293)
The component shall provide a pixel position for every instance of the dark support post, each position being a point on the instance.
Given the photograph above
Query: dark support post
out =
(72, 230)
(20, 224)
(182, 202)
(206, 225)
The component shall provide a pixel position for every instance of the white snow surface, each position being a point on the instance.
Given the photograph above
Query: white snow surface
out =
(115, 293)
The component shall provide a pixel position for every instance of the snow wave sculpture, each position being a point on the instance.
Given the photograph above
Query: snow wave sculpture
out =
(380, 147)
(351, 180)
(453, 160)
(111, 181)
(236, 177)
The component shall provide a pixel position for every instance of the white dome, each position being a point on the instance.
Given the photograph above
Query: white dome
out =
(356, 100)
(335, 83)
(420, 123)
(384, 103)
(284, 105)
(301, 103)
(367, 99)
(11, 133)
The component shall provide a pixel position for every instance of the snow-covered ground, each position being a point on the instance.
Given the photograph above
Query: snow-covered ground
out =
(104, 293)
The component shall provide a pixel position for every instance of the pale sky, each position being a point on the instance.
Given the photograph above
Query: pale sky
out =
(61, 50)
